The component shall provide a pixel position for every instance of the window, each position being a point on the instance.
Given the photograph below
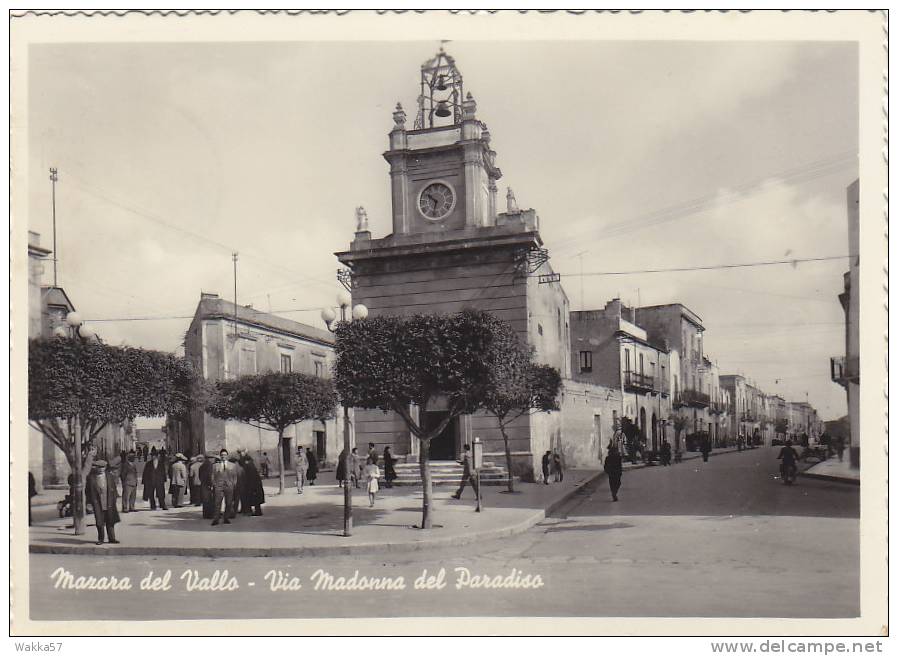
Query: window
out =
(319, 368)
(286, 363)
(641, 365)
(626, 359)
(585, 361)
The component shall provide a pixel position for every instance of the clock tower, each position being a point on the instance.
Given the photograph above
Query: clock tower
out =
(443, 172)
(450, 250)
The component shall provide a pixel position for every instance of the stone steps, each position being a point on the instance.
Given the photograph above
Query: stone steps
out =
(447, 473)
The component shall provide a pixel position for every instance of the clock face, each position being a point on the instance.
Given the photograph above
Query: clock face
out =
(436, 201)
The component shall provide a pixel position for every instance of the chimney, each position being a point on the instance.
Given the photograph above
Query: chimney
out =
(205, 295)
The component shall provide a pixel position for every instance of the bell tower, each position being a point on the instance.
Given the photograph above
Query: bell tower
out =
(443, 172)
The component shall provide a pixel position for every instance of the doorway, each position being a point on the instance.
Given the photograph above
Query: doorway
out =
(642, 426)
(287, 451)
(445, 445)
(320, 445)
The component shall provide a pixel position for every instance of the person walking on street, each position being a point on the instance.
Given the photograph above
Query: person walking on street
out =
(372, 473)
(547, 459)
(665, 453)
(265, 464)
(614, 468)
(224, 482)
(302, 466)
(706, 447)
(32, 492)
(253, 494)
(129, 483)
(312, 472)
(389, 469)
(840, 446)
(342, 476)
(153, 480)
(557, 467)
(355, 467)
(178, 480)
(102, 491)
(467, 473)
(196, 480)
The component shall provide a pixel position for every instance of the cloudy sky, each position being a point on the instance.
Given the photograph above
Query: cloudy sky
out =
(636, 155)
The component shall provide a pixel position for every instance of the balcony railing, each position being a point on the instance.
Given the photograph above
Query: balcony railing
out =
(693, 399)
(639, 382)
(844, 370)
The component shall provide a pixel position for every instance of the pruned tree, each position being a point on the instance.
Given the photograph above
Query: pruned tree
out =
(410, 365)
(78, 387)
(274, 402)
(518, 387)
(781, 426)
(680, 423)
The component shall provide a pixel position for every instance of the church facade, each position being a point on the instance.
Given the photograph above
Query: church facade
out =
(451, 249)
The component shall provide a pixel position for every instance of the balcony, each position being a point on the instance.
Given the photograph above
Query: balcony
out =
(693, 399)
(844, 370)
(748, 417)
(635, 382)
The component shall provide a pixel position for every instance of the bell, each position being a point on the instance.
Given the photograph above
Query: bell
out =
(443, 109)
(441, 83)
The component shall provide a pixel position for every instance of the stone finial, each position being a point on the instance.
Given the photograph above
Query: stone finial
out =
(468, 107)
(399, 117)
(485, 133)
(361, 219)
(511, 203)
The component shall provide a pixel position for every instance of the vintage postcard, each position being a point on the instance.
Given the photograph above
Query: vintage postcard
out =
(448, 323)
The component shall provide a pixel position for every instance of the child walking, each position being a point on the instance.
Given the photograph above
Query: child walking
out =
(372, 473)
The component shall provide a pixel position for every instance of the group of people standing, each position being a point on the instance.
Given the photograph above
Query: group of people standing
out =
(353, 468)
(552, 465)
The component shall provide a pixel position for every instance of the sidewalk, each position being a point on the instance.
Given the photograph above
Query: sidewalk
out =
(311, 524)
(833, 470)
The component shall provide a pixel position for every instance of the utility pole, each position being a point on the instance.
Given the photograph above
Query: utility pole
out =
(234, 257)
(53, 178)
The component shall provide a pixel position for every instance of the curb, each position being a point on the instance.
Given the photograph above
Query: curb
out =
(329, 550)
(834, 479)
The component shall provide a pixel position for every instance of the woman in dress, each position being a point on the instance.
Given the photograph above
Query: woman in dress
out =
(372, 473)
(389, 470)
(312, 472)
(302, 467)
(341, 469)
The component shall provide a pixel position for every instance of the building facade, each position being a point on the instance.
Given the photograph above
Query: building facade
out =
(224, 342)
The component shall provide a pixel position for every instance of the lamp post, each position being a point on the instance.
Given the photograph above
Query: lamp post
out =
(344, 301)
(77, 329)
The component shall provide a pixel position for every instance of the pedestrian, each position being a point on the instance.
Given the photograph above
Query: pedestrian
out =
(32, 492)
(840, 446)
(153, 480)
(178, 479)
(302, 465)
(128, 474)
(372, 452)
(557, 467)
(237, 497)
(265, 464)
(389, 467)
(312, 471)
(706, 447)
(253, 493)
(224, 482)
(196, 480)
(547, 459)
(355, 467)
(206, 471)
(614, 468)
(102, 490)
(665, 452)
(467, 473)
(372, 473)
(341, 468)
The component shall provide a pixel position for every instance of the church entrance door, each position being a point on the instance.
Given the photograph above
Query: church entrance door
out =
(445, 445)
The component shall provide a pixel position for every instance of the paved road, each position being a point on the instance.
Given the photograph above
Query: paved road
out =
(723, 538)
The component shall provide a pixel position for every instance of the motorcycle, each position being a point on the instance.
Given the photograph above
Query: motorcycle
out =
(789, 473)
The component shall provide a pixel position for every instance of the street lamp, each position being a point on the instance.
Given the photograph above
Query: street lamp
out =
(359, 312)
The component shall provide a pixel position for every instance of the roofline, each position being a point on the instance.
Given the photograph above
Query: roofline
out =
(47, 288)
(685, 312)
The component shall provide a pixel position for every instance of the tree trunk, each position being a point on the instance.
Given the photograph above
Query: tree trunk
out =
(77, 489)
(280, 461)
(427, 484)
(507, 457)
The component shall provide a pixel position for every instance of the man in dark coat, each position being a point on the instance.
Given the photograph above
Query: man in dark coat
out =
(237, 497)
(547, 459)
(614, 468)
(103, 495)
(206, 491)
(252, 494)
(706, 447)
(153, 480)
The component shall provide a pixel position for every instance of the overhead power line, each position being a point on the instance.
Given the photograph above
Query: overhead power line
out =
(709, 267)
(190, 316)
